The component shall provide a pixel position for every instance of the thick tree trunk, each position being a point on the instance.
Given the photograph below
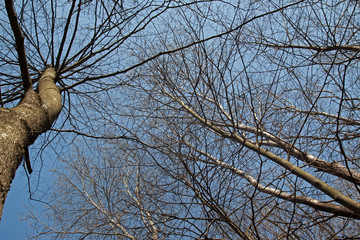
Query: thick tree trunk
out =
(21, 125)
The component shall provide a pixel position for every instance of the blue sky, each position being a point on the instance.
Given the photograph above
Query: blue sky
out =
(11, 228)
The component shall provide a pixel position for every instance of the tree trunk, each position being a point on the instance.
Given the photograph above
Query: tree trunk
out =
(21, 125)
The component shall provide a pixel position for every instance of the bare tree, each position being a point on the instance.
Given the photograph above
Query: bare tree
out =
(79, 45)
(21, 125)
(244, 125)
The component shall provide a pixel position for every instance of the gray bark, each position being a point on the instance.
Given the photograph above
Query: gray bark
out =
(21, 125)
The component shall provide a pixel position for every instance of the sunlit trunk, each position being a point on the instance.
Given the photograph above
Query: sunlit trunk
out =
(21, 125)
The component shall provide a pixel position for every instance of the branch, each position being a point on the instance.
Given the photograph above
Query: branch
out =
(20, 48)
(93, 136)
(50, 95)
(314, 181)
(316, 204)
(352, 48)
(334, 168)
(237, 28)
(113, 222)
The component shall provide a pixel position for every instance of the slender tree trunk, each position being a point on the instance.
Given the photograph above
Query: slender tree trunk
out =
(21, 125)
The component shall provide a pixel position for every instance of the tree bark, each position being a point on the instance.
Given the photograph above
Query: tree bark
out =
(21, 125)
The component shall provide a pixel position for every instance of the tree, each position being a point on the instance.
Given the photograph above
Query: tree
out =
(74, 44)
(242, 122)
(21, 125)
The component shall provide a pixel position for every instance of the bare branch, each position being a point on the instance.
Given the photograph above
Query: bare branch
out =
(19, 44)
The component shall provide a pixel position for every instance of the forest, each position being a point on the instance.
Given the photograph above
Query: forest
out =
(182, 119)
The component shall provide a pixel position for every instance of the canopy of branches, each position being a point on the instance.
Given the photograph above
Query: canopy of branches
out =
(194, 119)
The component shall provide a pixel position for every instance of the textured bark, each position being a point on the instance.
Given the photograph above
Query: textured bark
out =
(21, 125)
